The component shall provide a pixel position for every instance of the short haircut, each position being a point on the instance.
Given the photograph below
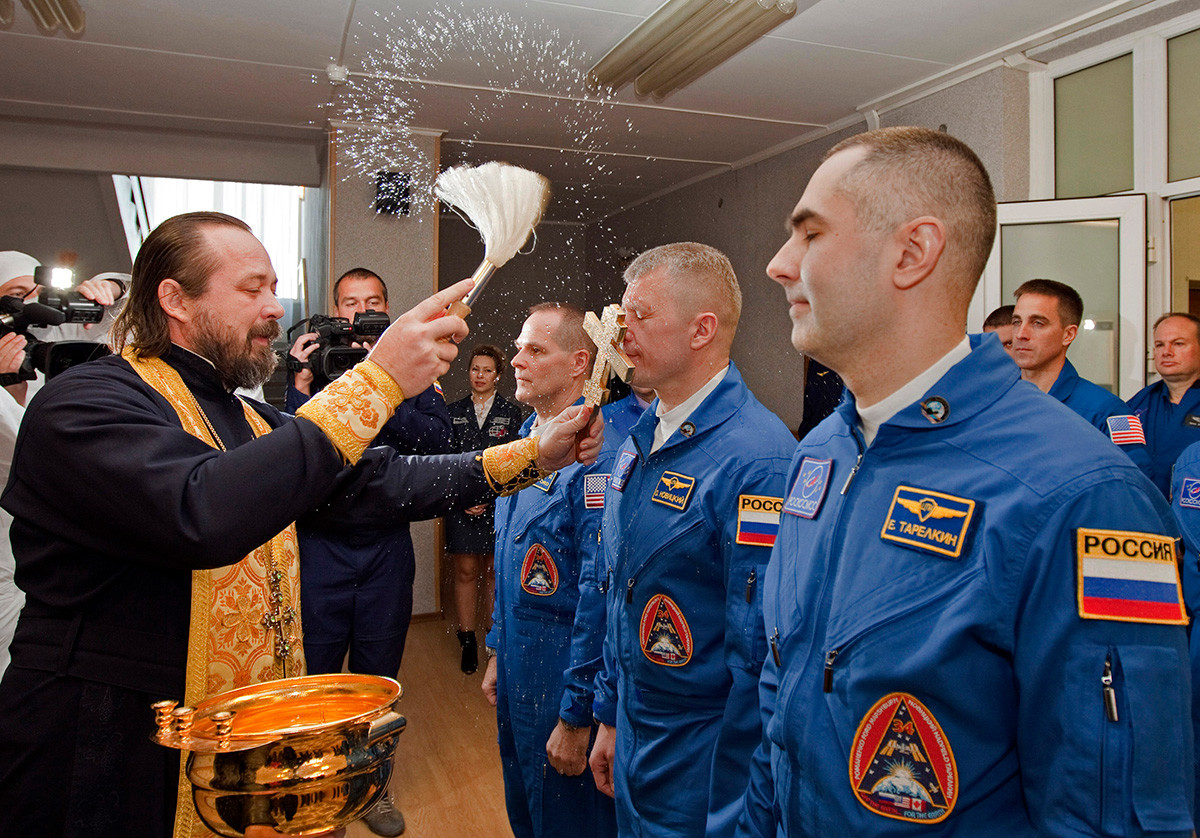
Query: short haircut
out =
(909, 172)
(1185, 315)
(702, 273)
(176, 249)
(358, 273)
(1070, 304)
(1000, 317)
(488, 351)
(570, 334)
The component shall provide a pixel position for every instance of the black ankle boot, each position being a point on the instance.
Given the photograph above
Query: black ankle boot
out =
(470, 651)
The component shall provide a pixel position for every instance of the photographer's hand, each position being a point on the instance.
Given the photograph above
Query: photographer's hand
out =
(12, 353)
(419, 346)
(102, 291)
(304, 346)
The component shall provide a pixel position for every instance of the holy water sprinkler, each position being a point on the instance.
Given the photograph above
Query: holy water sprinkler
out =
(504, 203)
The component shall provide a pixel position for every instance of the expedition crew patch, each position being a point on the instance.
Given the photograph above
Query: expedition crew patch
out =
(1128, 576)
(758, 519)
(901, 765)
(624, 467)
(539, 573)
(664, 633)
(929, 520)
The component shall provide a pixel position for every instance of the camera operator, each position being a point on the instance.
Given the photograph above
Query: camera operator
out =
(17, 280)
(358, 585)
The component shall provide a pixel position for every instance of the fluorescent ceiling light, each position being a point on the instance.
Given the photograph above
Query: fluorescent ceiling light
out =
(52, 14)
(684, 39)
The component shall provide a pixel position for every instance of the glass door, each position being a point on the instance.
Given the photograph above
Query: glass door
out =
(1098, 247)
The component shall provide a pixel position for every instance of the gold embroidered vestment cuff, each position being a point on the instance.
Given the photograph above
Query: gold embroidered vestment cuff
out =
(352, 409)
(512, 466)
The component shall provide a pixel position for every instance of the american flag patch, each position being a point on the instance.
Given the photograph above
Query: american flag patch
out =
(593, 490)
(1128, 576)
(758, 519)
(1126, 430)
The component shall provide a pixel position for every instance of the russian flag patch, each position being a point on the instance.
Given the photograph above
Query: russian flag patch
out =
(1128, 576)
(758, 519)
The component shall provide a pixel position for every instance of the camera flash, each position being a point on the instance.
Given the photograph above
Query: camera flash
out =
(62, 278)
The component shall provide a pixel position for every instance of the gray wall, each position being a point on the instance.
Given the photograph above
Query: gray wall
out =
(47, 212)
(744, 212)
(551, 271)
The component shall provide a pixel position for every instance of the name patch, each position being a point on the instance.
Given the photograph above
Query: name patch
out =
(673, 490)
(758, 519)
(547, 482)
(1128, 576)
(1189, 493)
(593, 490)
(624, 468)
(539, 573)
(1191, 420)
(901, 765)
(928, 520)
(664, 632)
(809, 489)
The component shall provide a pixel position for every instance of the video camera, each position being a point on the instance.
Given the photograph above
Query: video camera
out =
(51, 358)
(335, 352)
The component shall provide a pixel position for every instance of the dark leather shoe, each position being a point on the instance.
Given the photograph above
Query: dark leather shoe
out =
(384, 818)
(470, 651)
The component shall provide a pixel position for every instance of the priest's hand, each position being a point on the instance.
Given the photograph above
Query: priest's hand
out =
(419, 346)
(603, 756)
(567, 748)
(569, 437)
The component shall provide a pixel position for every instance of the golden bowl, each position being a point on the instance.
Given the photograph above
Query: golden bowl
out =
(301, 755)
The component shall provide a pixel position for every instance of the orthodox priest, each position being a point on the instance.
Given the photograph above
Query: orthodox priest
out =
(154, 520)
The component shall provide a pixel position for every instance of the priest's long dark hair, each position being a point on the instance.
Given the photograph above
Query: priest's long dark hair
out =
(175, 249)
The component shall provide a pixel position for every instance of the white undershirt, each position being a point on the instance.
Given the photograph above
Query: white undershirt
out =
(482, 410)
(870, 418)
(670, 420)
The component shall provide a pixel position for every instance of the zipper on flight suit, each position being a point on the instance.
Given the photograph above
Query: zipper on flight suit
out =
(1110, 694)
(857, 463)
(750, 584)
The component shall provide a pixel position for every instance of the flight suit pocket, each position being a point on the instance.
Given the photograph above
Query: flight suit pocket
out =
(1161, 774)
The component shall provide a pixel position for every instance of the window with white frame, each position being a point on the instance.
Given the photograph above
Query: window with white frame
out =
(271, 211)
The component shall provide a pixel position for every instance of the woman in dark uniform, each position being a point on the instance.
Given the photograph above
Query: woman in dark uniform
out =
(481, 420)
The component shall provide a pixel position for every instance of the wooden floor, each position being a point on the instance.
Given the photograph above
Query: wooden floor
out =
(447, 778)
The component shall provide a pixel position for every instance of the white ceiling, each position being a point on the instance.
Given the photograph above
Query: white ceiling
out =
(502, 82)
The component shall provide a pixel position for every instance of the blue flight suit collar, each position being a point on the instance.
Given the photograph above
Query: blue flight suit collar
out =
(968, 388)
(1065, 384)
(718, 406)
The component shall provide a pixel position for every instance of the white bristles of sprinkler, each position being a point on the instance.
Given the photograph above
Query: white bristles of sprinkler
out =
(504, 203)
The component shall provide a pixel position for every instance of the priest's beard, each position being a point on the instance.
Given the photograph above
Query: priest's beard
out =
(239, 362)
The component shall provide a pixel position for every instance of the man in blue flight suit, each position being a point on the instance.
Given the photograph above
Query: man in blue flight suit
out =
(358, 583)
(689, 520)
(1169, 409)
(975, 616)
(621, 415)
(1185, 503)
(1045, 321)
(548, 624)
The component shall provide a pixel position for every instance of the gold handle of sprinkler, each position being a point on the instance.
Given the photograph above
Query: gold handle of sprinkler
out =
(461, 308)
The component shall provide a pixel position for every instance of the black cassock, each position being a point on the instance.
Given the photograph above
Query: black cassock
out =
(114, 506)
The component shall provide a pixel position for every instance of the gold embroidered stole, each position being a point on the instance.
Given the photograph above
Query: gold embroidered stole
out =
(245, 618)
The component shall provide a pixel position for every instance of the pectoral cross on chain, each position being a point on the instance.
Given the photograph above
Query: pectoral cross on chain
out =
(607, 332)
(280, 620)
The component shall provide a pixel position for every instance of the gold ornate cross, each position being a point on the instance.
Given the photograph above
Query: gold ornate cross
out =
(280, 620)
(607, 332)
